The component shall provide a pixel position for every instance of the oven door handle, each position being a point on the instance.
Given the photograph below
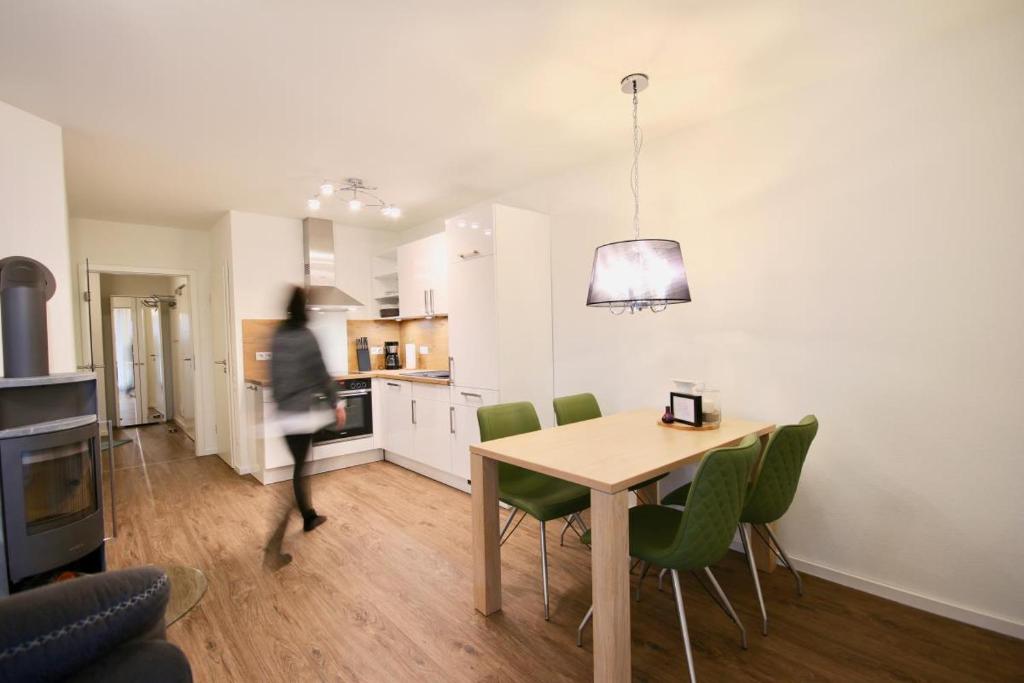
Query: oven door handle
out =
(354, 392)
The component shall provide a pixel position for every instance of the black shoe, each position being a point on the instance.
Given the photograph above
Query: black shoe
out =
(313, 522)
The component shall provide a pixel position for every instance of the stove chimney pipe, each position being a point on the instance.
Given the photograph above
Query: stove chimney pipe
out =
(25, 287)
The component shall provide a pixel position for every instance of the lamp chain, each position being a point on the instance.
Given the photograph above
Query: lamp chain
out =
(638, 141)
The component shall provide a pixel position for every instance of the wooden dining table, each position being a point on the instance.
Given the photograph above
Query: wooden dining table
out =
(608, 455)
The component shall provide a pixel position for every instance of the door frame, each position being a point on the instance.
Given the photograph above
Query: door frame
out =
(198, 353)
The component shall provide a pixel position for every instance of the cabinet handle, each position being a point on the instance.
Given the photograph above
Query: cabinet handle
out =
(451, 419)
(431, 302)
(426, 307)
(412, 404)
(475, 252)
(451, 368)
(392, 384)
(467, 394)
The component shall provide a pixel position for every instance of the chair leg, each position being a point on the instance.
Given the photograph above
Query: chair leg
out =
(728, 607)
(661, 577)
(745, 538)
(544, 568)
(785, 558)
(508, 522)
(561, 536)
(682, 624)
(643, 573)
(583, 624)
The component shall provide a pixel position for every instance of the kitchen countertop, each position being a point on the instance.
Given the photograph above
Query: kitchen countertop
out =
(391, 374)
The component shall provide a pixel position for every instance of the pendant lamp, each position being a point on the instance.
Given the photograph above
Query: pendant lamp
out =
(637, 274)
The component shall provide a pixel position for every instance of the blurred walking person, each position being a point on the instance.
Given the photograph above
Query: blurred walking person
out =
(306, 402)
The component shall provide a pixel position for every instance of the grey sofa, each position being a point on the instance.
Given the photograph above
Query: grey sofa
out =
(107, 627)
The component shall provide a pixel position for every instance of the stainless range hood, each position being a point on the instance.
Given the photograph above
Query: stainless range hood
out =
(318, 252)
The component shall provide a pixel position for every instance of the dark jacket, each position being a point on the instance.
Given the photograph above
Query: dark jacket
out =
(298, 375)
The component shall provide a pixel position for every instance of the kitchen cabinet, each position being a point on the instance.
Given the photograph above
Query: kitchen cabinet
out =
(499, 316)
(464, 425)
(266, 445)
(470, 234)
(423, 277)
(396, 414)
(473, 324)
(432, 426)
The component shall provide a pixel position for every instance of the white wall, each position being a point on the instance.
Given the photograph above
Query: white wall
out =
(33, 217)
(854, 250)
(161, 249)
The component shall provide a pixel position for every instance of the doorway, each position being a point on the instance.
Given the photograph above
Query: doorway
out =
(138, 335)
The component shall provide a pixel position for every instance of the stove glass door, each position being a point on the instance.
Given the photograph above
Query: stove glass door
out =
(59, 485)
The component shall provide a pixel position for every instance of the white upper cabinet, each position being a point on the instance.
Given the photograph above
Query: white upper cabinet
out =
(470, 234)
(423, 277)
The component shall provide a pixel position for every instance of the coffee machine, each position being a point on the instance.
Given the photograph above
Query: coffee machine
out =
(391, 361)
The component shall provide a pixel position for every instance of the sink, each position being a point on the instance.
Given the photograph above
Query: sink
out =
(433, 374)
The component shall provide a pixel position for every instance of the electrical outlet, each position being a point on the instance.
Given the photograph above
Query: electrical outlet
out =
(376, 350)
(424, 350)
(263, 355)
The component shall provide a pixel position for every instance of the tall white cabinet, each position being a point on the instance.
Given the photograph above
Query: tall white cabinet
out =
(499, 316)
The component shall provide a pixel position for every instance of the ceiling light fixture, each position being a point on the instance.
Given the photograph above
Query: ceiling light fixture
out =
(358, 194)
(637, 274)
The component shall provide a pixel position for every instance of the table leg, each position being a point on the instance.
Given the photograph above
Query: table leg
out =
(486, 553)
(609, 519)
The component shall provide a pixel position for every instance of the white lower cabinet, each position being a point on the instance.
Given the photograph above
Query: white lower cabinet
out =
(432, 429)
(267, 448)
(396, 411)
(465, 428)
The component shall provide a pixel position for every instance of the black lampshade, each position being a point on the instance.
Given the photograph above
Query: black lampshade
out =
(637, 274)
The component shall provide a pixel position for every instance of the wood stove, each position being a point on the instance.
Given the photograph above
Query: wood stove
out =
(51, 495)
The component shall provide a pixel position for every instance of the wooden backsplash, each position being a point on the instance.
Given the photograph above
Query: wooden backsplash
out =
(257, 335)
(430, 333)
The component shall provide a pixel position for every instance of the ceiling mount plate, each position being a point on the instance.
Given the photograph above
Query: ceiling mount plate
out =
(640, 80)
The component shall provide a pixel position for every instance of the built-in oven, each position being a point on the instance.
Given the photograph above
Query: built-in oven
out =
(355, 395)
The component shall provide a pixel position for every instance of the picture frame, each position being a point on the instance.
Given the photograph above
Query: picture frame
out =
(686, 408)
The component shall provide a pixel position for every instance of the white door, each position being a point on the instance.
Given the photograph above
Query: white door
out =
(220, 311)
(184, 403)
(397, 403)
(473, 323)
(431, 433)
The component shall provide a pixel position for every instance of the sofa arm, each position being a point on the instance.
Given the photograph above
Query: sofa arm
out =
(153, 661)
(51, 632)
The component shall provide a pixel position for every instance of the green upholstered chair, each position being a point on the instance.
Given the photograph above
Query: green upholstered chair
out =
(771, 493)
(541, 496)
(580, 407)
(697, 537)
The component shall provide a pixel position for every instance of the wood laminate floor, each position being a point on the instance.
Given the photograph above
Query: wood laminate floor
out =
(383, 592)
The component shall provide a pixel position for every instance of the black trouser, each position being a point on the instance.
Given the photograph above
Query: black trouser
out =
(299, 445)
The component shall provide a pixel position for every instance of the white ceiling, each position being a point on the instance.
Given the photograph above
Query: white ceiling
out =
(176, 110)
